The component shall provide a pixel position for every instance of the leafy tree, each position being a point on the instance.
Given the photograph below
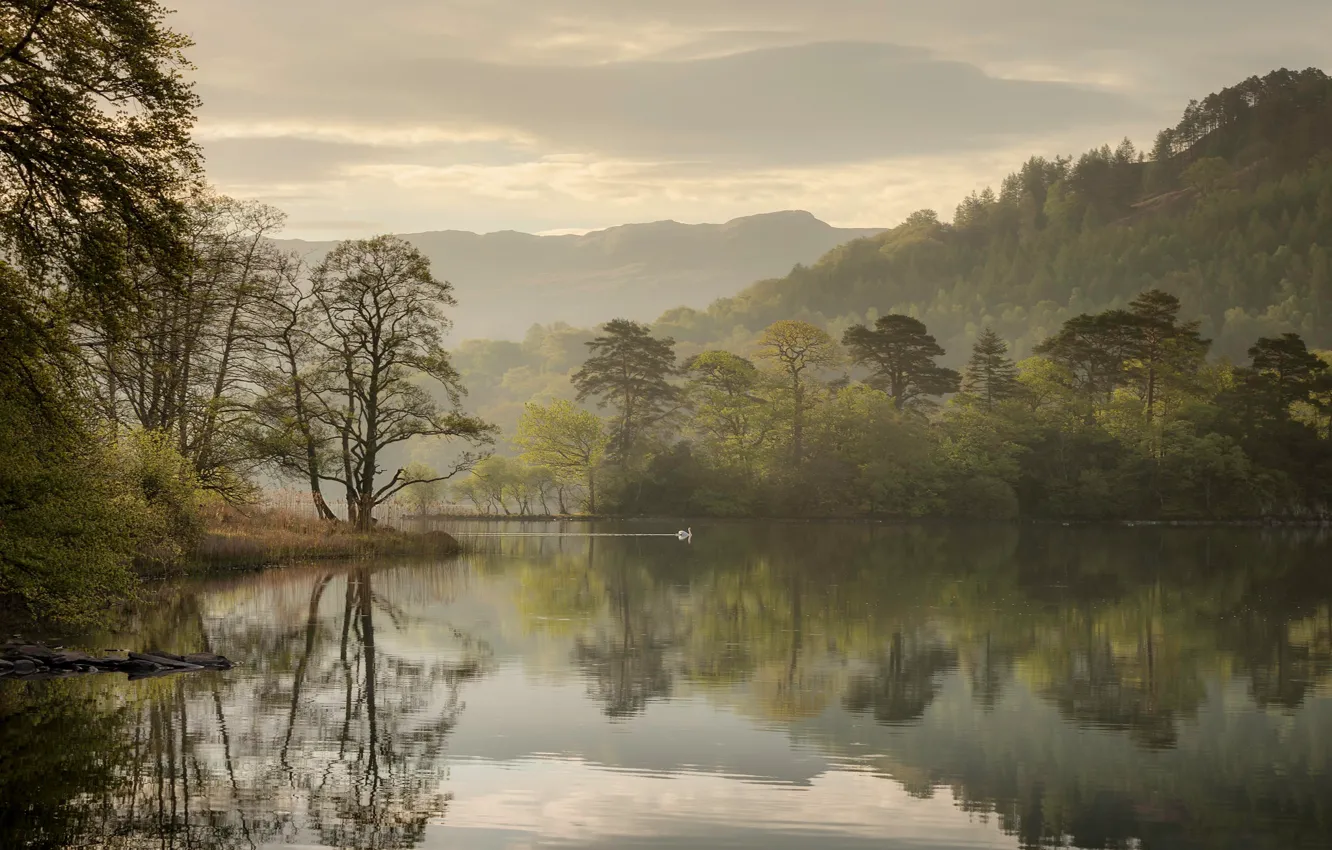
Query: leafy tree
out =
(629, 370)
(900, 354)
(423, 489)
(795, 348)
(570, 442)
(734, 421)
(95, 151)
(96, 133)
(382, 329)
(991, 375)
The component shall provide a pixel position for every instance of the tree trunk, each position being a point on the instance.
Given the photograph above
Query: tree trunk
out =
(798, 422)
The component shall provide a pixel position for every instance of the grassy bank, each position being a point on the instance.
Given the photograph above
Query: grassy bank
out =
(265, 537)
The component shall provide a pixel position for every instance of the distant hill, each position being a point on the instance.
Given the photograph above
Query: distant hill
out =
(508, 281)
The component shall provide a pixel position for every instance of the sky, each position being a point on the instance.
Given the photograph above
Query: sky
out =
(564, 115)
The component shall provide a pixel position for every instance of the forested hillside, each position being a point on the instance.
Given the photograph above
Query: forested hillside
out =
(1230, 210)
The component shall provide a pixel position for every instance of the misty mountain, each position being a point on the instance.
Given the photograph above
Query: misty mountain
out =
(507, 281)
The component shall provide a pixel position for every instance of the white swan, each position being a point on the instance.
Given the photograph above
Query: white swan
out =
(688, 534)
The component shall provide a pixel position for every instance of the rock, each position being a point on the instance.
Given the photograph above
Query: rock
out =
(34, 661)
(70, 658)
(139, 665)
(161, 661)
(209, 660)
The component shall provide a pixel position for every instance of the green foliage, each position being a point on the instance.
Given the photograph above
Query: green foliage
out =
(96, 135)
(900, 354)
(423, 488)
(797, 351)
(508, 486)
(1120, 416)
(168, 491)
(569, 442)
(76, 507)
(991, 375)
(628, 370)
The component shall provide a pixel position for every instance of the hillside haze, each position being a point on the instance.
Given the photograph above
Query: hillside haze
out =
(507, 281)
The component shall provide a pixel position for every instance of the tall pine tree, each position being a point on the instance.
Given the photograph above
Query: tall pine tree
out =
(991, 375)
(629, 371)
(901, 353)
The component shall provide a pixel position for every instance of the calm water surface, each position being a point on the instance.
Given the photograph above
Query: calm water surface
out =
(761, 687)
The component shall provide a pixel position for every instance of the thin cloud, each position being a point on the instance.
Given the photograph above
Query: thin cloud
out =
(427, 114)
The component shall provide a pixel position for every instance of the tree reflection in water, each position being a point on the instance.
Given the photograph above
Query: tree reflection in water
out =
(354, 758)
(1095, 688)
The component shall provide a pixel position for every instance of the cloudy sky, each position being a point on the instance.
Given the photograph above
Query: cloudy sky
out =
(540, 115)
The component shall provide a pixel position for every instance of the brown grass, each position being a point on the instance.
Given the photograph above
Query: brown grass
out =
(276, 535)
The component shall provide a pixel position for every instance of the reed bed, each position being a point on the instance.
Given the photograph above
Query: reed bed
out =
(281, 529)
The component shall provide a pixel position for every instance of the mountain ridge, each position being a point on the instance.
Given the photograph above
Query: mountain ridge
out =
(508, 280)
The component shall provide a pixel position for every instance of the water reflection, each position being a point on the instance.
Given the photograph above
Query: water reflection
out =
(767, 686)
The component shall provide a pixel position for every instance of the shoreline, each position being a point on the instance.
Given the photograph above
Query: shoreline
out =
(243, 546)
(862, 520)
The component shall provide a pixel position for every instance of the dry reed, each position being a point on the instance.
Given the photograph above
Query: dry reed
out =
(284, 529)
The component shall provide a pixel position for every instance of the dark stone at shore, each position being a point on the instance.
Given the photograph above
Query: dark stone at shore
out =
(139, 665)
(70, 658)
(33, 661)
(33, 651)
(208, 660)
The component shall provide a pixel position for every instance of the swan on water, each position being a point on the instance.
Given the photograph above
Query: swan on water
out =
(686, 534)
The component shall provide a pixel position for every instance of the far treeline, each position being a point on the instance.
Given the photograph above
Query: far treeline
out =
(1120, 414)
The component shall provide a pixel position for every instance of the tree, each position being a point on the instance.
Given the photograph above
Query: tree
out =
(382, 331)
(423, 489)
(734, 421)
(629, 370)
(794, 348)
(284, 424)
(181, 358)
(1094, 350)
(95, 137)
(900, 353)
(991, 375)
(1283, 372)
(570, 442)
(1164, 349)
(95, 150)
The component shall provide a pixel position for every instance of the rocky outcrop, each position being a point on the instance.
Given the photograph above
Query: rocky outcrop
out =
(36, 661)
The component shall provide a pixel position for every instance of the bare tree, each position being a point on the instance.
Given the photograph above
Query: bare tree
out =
(286, 429)
(382, 328)
(179, 360)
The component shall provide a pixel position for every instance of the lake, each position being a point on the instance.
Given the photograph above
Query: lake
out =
(761, 686)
